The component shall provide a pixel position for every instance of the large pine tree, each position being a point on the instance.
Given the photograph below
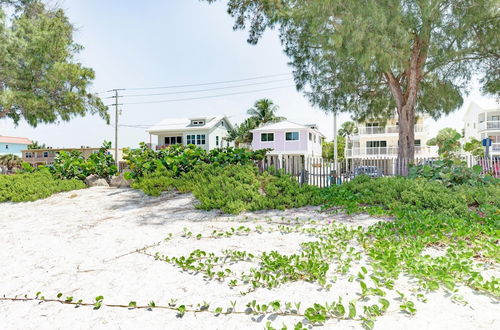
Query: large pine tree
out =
(40, 82)
(369, 57)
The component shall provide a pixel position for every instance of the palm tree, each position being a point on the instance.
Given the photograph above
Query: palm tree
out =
(241, 133)
(348, 129)
(10, 161)
(36, 145)
(264, 111)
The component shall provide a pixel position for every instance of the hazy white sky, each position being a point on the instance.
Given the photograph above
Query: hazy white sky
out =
(134, 44)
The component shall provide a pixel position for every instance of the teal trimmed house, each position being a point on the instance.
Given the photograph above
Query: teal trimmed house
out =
(13, 145)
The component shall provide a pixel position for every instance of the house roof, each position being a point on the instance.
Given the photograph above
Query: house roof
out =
(14, 140)
(184, 124)
(284, 125)
(484, 104)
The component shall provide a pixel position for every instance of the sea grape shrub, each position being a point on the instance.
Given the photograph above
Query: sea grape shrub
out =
(396, 194)
(25, 187)
(451, 173)
(233, 188)
(102, 163)
(72, 165)
(177, 159)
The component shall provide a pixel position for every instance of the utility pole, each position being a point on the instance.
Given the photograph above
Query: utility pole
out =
(116, 96)
(335, 143)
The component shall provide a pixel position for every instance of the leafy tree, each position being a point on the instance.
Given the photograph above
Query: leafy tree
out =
(36, 145)
(348, 129)
(264, 111)
(40, 80)
(448, 143)
(10, 161)
(241, 134)
(475, 147)
(371, 57)
(327, 148)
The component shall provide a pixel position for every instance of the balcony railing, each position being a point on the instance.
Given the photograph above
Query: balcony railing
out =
(385, 129)
(384, 151)
(489, 125)
(495, 148)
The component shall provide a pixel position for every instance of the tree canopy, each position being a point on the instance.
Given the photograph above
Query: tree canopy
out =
(448, 142)
(371, 57)
(262, 112)
(40, 81)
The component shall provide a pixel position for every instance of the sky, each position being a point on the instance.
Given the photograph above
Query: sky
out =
(156, 43)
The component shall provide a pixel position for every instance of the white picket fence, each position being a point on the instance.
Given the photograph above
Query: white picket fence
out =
(322, 173)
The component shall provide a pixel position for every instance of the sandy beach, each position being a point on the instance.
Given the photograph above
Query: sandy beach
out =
(84, 244)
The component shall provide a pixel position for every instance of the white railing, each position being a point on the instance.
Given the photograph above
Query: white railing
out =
(495, 148)
(383, 151)
(368, 130)
(489, 125)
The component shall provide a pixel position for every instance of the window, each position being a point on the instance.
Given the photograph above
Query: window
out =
(217, 141)
(196, 139)
(222, 123)
(376, 144)
(29, 155)
(374, 124)
(267, 137)
(292, 136)
(310, 136)
(314, 138)
(6, 146)
(197, 122)
(418, 143)
(45, 154)
(173, 140)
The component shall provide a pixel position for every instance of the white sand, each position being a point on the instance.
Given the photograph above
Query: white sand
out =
(81, 243)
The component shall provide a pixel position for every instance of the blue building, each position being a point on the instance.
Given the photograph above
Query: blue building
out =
(13, 145)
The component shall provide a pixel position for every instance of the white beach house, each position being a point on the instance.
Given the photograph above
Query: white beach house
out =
(205, 132)
(288, 138)
(482, 120)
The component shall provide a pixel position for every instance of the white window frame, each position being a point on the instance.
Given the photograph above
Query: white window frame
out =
(292, 132)
(196, 139)
(266, 134)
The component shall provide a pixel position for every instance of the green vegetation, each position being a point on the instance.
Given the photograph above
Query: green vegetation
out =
(72, 165)
(452, 173)
(263, 111)
(41, 80)
(475, 147)
(178, 159)
(406, 55)
(234, 188)
(395, 195)
(328, 148)
(448, 142)
(10, 161)
(32, 186)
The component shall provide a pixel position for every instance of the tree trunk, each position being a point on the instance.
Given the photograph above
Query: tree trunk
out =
(406, 142)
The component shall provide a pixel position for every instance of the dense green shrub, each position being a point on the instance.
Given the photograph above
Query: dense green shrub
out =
(450, 173)
(32, 186)
(72, 165)
(394, 194)
(234, 188)
(177, 159)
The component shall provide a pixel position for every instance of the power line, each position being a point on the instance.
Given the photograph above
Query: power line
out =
(210, 83)
(209, 96)
(204, 90)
